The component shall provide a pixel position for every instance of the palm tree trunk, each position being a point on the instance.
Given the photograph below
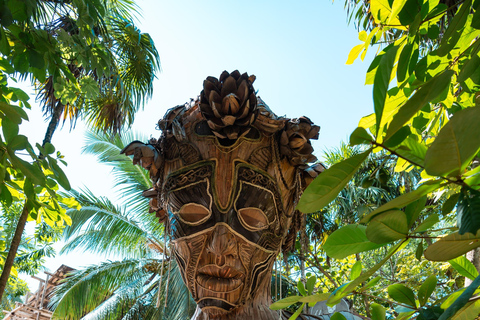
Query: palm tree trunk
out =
(12, 252)
(53, 124)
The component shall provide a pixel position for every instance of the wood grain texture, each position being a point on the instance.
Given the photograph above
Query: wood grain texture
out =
(226, 176)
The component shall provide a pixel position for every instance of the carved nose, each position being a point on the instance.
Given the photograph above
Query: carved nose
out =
(222, 243)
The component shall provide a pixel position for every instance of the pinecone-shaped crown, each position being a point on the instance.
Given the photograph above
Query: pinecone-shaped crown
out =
(229, 104)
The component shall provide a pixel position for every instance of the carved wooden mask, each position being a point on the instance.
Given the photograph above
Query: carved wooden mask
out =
(227, 173)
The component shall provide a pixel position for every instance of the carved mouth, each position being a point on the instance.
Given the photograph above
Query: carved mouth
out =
(219, 279)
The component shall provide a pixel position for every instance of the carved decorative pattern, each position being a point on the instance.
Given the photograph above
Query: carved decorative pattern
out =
(261, 158)
(226, 174)
(188, 177)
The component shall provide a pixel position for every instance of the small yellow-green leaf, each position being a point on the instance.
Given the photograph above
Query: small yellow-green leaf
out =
(353, 55)
(464, 267)
(428, 92)
(356, 270)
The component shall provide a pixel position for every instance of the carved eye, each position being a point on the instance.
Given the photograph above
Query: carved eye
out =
(253, 218)
(193, 214)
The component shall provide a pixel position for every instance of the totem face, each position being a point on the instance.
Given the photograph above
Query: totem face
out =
(225, 254)
(226, 174)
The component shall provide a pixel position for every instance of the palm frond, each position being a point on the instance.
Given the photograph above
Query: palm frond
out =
(100, 227)
(84, 290)
(131, 179)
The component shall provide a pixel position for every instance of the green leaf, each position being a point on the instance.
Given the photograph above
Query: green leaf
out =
(456, 144)
(345, 289)
(348, 240)
(28, 189)
(337, 316)
(426, 289)
(461, 301)
(452, 246)
(428, 223)
(360, 136)
(301, 288)
(30, 171)
(428, 92)
(59, 174)
(468, 210)
(451, 202)
(328, 185)
(464, 267)
(371, 283)
(387, 227)
(404, 61)
(413, 151)
(413, 210)
(398, 137)
(404, 199)
(402, 294)
(36, 59)
(455, 28)
(9, 129)
(419, 251)
(353, 55)
(49, 148)
(471, 65)
(378, 312)
(381, 81)
(285, 302)
(297, 313)
(315, 298)
(356, 270)
(311, 284)
(5, 195)
(471, 310)
(19, 142)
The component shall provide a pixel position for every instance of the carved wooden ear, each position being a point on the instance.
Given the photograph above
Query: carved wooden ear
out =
(311, 172)
(295, 141)
(145, 154)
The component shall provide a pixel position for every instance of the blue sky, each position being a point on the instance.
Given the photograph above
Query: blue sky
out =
(297, 50)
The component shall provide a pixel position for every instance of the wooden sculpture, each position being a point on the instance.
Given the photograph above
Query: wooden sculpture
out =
(227, 174)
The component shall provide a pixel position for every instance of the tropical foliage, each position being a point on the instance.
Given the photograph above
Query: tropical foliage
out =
(426, 115)
(127, 288)
(89, 61)
(33, 250)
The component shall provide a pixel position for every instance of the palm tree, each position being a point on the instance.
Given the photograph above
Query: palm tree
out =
(127, 288)
(116, 81)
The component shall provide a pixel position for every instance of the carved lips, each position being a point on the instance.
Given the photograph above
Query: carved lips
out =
(219, 279)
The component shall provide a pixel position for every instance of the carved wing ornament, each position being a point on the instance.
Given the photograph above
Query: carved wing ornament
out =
(226, 175)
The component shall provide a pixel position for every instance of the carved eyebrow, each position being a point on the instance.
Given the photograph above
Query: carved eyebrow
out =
(191, 186)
